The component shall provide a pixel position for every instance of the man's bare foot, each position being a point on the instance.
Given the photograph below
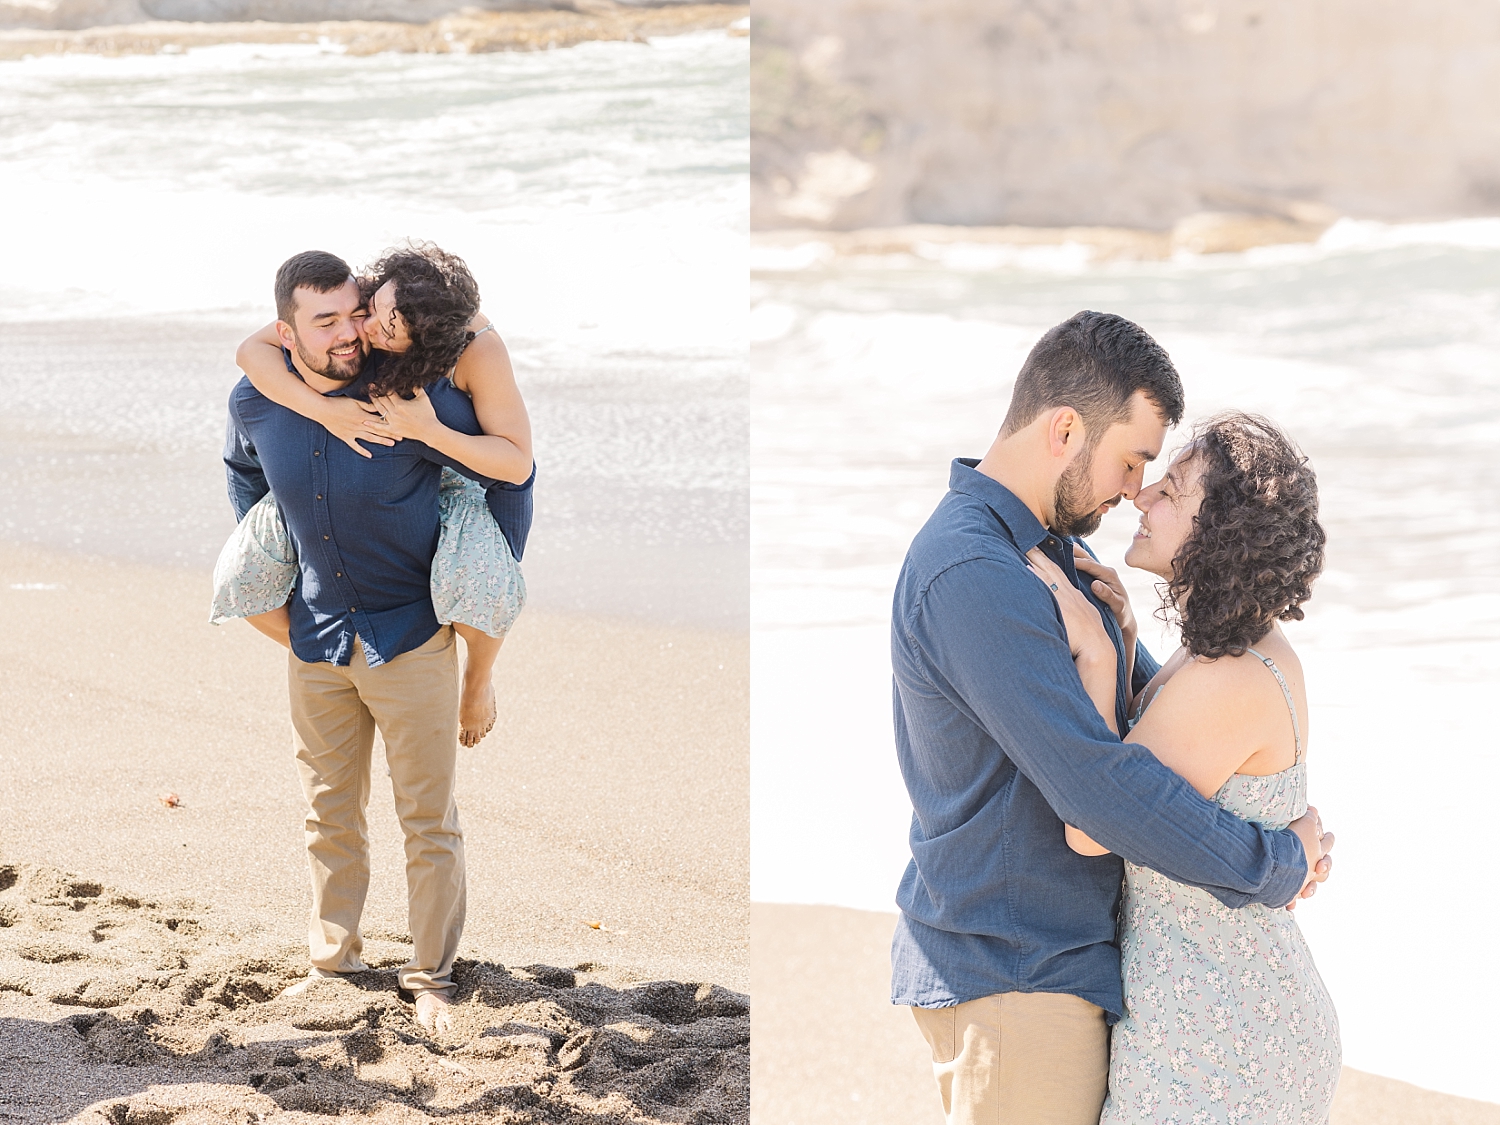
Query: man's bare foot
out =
(301, 987)
(476, 712)
(432, 1010)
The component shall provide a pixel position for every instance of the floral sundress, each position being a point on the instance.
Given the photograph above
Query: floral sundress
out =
(1227, 1021)
(475, 579)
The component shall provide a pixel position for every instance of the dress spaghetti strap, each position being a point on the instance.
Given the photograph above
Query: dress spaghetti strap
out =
(1286, 691)
(490, 327)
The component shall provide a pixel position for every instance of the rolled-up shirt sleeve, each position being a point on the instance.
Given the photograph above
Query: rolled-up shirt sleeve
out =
(1010, 670)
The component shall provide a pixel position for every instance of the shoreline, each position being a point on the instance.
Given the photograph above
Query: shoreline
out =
(113, 479)
(836, 962)
(466, 33)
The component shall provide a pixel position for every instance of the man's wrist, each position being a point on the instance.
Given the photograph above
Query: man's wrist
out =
(1289, 874)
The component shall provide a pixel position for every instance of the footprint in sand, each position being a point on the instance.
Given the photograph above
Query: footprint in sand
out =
(181, 1018)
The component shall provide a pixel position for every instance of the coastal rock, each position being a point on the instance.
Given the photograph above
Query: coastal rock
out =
(470, 31)
(75, 15)
(1217, 232)
(875, 113)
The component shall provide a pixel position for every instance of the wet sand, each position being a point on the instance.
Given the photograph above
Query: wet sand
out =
(91, 463)
(606, 823)
(831, 1049)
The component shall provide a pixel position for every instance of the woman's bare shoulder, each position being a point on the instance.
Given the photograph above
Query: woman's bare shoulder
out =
(1239, 695)
(485, 365)
(1224, 691)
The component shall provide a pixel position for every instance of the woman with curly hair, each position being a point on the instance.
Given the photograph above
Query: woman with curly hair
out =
(423, 324)
(1226, 1017)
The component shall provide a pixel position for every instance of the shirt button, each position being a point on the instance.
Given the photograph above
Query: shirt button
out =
(353, 609)
(320, 496)
(338, 574)
(325, 537)
(316, 453)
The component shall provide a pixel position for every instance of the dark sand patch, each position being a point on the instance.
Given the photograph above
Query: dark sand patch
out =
(122, 1009)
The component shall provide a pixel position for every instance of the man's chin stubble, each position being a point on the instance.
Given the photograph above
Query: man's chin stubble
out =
(332, 368)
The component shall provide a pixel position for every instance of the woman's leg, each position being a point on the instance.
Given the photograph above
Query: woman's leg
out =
(278, 626)
(476, 703)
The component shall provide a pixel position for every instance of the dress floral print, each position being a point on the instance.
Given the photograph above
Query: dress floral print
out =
(1226, 1019)
(475, 578)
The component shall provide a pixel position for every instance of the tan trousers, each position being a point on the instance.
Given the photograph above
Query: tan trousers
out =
(1019, 1058)
(413, 699)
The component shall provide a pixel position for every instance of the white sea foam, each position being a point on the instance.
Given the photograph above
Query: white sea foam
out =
(599, 195)
(1379, 349)
(593, 200)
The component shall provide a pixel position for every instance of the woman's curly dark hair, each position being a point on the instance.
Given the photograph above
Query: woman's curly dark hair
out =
(436, 296)
(1256, 544)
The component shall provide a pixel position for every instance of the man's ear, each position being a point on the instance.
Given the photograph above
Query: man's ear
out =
(1064, 431)
(288, 337)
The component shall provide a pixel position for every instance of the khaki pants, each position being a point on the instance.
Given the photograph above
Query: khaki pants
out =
(413, 699)
(1019, 1058)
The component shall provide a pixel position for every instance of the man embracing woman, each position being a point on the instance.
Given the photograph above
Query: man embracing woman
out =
(1095, 924)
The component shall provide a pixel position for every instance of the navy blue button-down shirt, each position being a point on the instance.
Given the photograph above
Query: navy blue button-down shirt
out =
(365, 529)
(999, 745)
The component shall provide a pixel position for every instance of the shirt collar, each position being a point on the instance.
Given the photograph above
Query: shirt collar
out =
(1024, 527)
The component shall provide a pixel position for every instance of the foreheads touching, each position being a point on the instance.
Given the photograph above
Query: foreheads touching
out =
(1233, 529)
(1105, 392)
(1095, 363)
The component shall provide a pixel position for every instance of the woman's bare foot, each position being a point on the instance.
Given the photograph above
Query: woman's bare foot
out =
(476, 711)
(432, 1010)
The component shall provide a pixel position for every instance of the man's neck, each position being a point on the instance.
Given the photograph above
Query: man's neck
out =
(1013, 462)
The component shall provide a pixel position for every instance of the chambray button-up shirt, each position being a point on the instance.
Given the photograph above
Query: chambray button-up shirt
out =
(999, 745)
(365, 529)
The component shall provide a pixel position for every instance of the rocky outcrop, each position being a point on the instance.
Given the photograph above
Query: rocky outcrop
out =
(1124, 113)
(73, 15)
(469, 32)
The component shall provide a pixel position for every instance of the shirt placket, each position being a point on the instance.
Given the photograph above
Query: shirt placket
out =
(333, 562)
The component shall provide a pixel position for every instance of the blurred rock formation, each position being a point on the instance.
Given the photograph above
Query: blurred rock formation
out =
(73, 15)
(471, 31)
(1235, 121)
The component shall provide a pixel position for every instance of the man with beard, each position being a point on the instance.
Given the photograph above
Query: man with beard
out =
(366, 649)
(1004, 948)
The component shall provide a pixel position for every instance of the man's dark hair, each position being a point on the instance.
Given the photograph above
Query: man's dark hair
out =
(317, 270)
(1094, 362)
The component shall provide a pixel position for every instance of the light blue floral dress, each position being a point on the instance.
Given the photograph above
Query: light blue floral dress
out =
(1226, 1019)
(475, 578)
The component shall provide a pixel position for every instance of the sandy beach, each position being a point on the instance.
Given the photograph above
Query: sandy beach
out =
(829, 1047)
(142, 946)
